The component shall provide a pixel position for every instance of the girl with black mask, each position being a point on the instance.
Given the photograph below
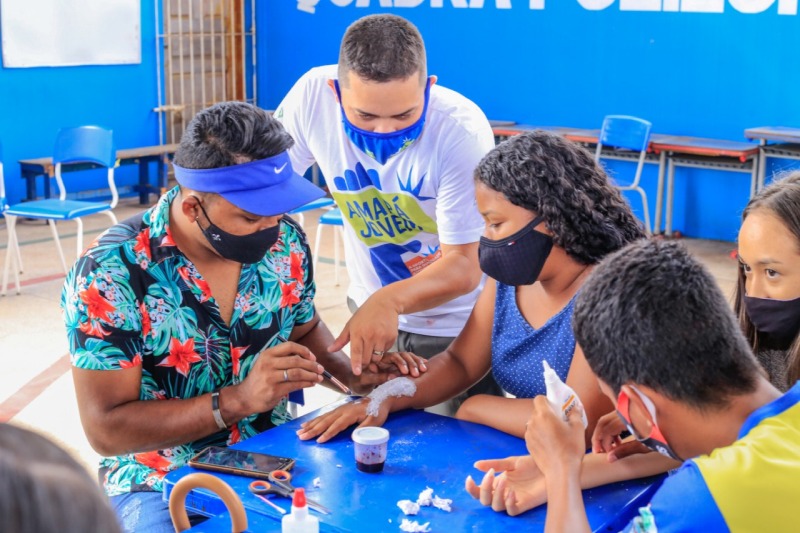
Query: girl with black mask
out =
(550, 215)
(767, 297)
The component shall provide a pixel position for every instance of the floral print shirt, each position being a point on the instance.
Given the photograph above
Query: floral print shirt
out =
(133, 299)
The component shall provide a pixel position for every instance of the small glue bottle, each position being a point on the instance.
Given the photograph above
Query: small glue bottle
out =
(299, 521)
(561, 397)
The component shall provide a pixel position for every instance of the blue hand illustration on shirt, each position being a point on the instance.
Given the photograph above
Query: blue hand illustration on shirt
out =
(386, 257)
(360, 179)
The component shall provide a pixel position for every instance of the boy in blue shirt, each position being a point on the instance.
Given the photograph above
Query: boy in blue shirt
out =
(662, 340)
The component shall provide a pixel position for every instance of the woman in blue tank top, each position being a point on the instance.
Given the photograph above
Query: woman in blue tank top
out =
(550, 214)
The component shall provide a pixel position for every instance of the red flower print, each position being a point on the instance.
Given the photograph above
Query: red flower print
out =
(235, 435)
(168, 240)
(200, 283)
(93, 329)
(236, 354)
(137, 361)
(181, 356)
(146, 324)
(97, 307)
(204, 289)
(153, 460)
(288, 297)
(297, 266)
(143, 243)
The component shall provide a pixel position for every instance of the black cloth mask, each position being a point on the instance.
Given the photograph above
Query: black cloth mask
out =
(240, 248)
(778, 320)
(517, 259)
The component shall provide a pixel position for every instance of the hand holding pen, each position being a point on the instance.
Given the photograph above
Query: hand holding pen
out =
(344, 388)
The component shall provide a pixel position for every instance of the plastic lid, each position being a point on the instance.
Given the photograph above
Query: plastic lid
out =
(299, 497)
(370, 435)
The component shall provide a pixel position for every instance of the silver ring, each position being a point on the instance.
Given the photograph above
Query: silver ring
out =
(285, 375)
(379, 353)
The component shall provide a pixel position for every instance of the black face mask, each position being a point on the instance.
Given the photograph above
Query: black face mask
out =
(240, 248)
(778, 320)
(518, 259)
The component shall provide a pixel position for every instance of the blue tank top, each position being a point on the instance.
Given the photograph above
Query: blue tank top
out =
(518, 348)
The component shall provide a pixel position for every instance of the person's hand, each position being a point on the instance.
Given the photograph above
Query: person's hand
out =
(557, 446)
(519, 488)
(327, 426)
(400, 363)
(606, 439)
(371, 332)
(607, 433)
(391, 365)
(278, 371)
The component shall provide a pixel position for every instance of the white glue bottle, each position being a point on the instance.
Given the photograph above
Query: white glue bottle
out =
(299, 521)
(561, 397)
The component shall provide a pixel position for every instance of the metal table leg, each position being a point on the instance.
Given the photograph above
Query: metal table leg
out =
(662, 161)
(670, 194)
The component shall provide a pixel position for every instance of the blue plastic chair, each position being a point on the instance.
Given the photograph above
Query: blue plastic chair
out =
(319, 203)
(4, 205)
(632, 134)
(330, 218)
(296, 398)
(85, 144)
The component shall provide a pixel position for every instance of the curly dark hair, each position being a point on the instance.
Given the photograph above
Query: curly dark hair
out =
(557, 179)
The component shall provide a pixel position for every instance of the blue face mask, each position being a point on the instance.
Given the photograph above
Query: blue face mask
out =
(382, 146)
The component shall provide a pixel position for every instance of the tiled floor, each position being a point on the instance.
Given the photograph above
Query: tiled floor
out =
(36, 388)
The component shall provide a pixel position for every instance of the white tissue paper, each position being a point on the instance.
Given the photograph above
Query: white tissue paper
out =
(408, 507)
(442, 503)
(425, 497)
(412, 526)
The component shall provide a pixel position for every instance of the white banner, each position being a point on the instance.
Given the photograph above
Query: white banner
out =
(48, 33)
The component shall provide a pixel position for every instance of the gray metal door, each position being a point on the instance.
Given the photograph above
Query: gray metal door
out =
(208, 52)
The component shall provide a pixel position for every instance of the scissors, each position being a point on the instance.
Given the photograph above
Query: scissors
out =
(280, 483)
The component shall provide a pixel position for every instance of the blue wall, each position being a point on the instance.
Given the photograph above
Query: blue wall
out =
(37, 102)
(703, 74)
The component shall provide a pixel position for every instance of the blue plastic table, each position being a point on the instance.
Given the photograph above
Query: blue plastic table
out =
(699, 152)
(32, 169)
(776, 141)
(425, 450)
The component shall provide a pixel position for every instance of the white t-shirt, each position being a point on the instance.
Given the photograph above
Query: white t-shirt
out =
(396, 214)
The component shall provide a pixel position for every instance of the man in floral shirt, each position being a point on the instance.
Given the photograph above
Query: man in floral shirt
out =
(189, 302)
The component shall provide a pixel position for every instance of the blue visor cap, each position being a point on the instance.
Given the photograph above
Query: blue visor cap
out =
(266, 187)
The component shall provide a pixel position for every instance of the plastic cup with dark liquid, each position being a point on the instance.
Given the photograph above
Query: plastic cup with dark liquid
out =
(370, 448)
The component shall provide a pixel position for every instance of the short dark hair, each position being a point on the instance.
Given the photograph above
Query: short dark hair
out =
(230, 133)
(382, 48)
(782, 200)
(44, 490)
(559, 180)
(652, 315)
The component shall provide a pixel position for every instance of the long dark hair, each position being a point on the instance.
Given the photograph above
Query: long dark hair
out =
(557, 179)
(781, 199)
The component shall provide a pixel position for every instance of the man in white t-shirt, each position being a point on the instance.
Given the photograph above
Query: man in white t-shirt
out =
(398, 153)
